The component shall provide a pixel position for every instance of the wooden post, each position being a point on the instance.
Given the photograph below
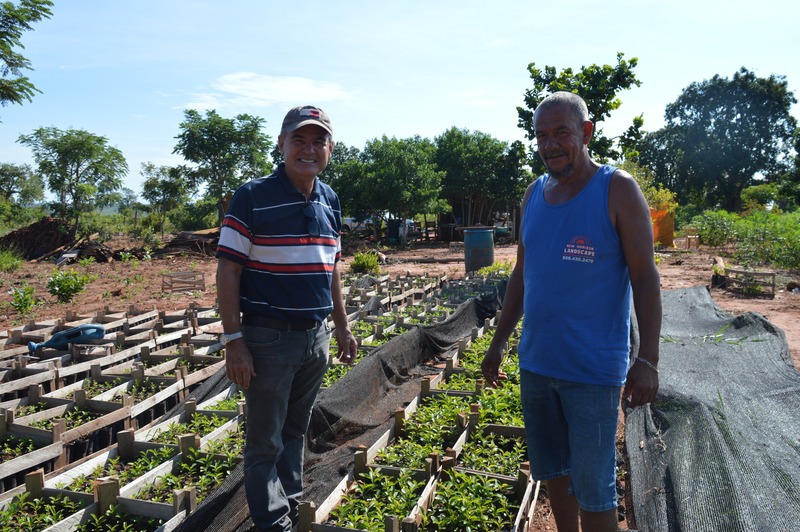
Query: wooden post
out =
(399, 421)
(80, 398)
(106, 493)
(474, 414)
(186, 442)
(125, 439)
(307, 514)
(426, 386)
(34, 484)
(184, 499)
(190, 409)
(359, 462)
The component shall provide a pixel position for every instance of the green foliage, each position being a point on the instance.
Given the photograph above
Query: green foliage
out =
(166, 188)
(684, 215)
(116, 519)
(374, 496)
(399, 177)
(20, 184)
(26, 513)
(12, 447)
(598, 86)
(406, 453)
(758, 197)
(499, 269)
(14, 21)
(228, 152)
(124, 471)
(493, 453)
(720, 134)
(66, 284)
(82, 170)
(764, 238)
(481, 173)
(365, 263)
(467, 501)
(659, 198)
(715, 228)
(201, 214)
(74, 418)
(202, 470)
(200, 425)
(10, 260)
(23, 300)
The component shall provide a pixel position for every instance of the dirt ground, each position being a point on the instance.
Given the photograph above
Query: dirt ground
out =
(138, 283)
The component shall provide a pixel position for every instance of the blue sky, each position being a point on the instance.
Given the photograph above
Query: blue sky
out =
(127, 69)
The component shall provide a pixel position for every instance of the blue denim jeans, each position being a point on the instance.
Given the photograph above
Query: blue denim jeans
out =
(289, 367)
(571, 430)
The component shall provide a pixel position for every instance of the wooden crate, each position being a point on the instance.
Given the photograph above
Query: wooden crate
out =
(751, 281)
(183, 281)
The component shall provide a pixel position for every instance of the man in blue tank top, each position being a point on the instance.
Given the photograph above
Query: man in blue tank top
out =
(586, 247)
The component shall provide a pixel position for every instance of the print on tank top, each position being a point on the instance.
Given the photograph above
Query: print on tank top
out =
(580, 249)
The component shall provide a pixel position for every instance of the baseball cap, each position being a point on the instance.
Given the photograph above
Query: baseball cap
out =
(298, 117)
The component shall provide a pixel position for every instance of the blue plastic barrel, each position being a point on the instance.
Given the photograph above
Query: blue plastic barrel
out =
(478, 248)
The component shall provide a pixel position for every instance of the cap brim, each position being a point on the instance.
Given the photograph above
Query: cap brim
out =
(312, 122)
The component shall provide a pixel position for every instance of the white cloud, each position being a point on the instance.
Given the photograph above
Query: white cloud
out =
(246, 90)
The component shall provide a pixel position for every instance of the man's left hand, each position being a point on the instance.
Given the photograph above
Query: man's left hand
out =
(348, 347)
(641, 385)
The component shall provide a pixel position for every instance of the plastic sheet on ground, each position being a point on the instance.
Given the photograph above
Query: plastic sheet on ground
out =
(720, 448)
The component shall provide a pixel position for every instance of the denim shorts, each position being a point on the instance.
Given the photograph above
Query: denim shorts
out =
(571, 430)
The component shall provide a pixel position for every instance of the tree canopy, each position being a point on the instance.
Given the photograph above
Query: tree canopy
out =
(14, 21)
(81, 169)
(721, 134)
(400, 177)
(598, 86)
(165, 188)
(227, 152)
(19, 183)
(480, 173)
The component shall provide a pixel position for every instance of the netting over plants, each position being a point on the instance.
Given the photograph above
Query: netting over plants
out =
(719, 449)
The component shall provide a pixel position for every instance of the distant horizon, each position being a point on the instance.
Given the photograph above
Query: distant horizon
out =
(128, 70)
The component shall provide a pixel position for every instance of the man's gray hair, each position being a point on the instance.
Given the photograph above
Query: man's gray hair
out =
(575, 103)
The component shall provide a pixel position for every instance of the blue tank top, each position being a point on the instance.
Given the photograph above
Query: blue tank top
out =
(577, 287)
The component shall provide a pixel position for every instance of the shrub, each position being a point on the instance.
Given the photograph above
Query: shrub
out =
(365, 263)
(766, 238)
(64, 285)
(23, 299)
(715, 228)
(10, 260)
(500, 268)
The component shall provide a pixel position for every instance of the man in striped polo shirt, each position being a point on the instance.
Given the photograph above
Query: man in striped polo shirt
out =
(277, 282)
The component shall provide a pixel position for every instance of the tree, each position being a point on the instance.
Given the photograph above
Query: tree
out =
(20, 184)
(82, 170)
(166, 188)
(480, 172)
(227, 152)
(597, 85)
(722, 133)
(345, 174)
(14, 20)
(400, 177)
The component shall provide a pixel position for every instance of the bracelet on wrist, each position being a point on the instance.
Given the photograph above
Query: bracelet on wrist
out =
(647, 363)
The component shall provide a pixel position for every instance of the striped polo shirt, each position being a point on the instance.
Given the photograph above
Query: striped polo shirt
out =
(286, 272)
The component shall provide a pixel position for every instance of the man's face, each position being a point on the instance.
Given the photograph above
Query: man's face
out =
(306, 151)
(560, 138)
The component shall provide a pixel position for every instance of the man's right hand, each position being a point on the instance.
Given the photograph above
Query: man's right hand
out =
(490, 367)
(239, 363)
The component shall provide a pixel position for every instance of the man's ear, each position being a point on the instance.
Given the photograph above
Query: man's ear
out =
(280, 143)
(588, 129)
